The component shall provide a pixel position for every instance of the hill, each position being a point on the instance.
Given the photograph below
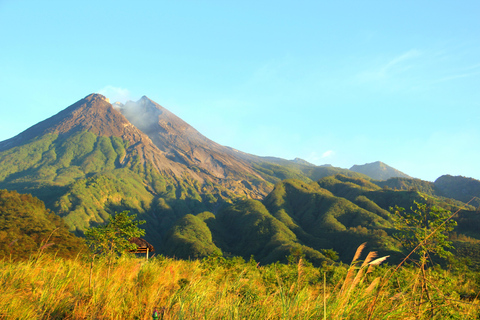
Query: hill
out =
(299, 216)
(318, 219)
(27, 227)
(459, 188)
(378, 171)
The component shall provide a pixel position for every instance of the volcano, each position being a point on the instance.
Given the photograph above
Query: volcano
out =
(93, 159)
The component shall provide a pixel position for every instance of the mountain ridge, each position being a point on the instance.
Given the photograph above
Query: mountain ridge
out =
(378, 170)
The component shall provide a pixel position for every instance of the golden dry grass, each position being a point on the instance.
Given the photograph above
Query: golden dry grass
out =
(52, 288)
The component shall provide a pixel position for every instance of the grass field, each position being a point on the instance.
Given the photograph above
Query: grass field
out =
(45, 287)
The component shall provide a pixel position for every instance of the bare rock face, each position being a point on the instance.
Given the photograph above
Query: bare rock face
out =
(183, 144)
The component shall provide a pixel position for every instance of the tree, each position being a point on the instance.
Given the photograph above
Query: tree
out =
(425, 227)
(113, 238)
(419, 227)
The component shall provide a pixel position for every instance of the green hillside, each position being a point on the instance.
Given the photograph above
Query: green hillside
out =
(324, 220)
(296, 217)
(398, 183)
(455, 190)
(190, 237)
(460, 188)
(27, 227)
(275, 170)
(316, 219)
(82, 177)
(85, 178)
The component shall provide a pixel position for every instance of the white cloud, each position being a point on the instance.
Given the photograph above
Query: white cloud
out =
(328, 153)
(395, 62)
(458, 76)
(398, 64)
(314, 157)
(115, 94)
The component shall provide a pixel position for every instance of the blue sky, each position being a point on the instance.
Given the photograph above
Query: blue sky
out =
(337, 82)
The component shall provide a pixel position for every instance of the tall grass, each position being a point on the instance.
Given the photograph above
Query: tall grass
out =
(46, 287)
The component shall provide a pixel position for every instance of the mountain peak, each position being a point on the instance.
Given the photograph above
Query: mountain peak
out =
(145, 98)
(379, 171)
(95, 96)
(302, 161)
(156, 138)
(93, 113)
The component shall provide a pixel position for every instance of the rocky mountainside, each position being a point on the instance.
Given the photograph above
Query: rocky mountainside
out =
(154, 136)
(88, 114)
(378, 171)
(181, 143)
(94, 114)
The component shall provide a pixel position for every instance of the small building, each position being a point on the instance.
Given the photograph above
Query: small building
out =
(142, 246)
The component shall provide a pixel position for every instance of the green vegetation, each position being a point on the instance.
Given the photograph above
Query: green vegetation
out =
(275, 170)
(456, 190)
(185, 220)
(270, 259)
(86, 178)
(322, 212)
(190, 238)
(27, 227)
(51, 160)
(426, 227)
(408, 184)
(333, 214)
(112, 239)
(275, 173)
(321, 219)
(459, 188)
